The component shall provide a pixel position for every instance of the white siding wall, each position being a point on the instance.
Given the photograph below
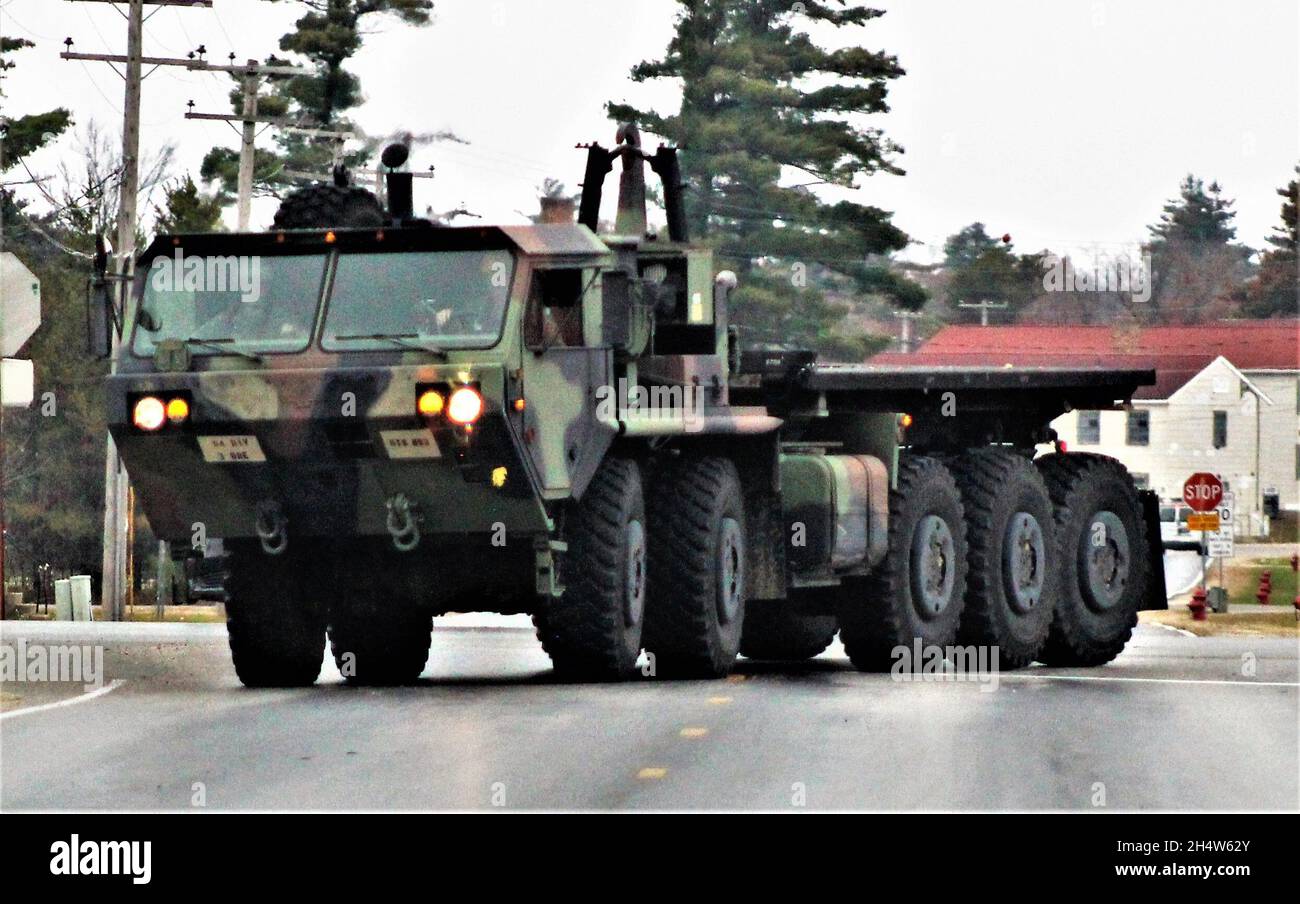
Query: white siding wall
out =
(1182, 435)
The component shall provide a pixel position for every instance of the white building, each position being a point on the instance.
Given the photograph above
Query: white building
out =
(1225, 399)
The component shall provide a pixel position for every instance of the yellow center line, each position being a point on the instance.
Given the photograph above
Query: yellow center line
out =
(694, 731)
(652, 773)
(719, 701)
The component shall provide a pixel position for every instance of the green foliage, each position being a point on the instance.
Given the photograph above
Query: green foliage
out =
(24, 135)
(1275, 291)
(53, 480)
(1198, 269)
(980, 268)
(1198, 215)
(186, 210)
(762, 104)
(329, 34)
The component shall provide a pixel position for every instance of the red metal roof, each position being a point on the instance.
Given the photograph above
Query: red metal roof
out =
(1177, 353)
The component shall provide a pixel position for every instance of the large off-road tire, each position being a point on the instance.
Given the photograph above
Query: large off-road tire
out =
(593, 630)
(329, 207)
(695, 610)
(275, 623)
(774, 631)
(378, 635)
(1103, 541)
(918, 591)
(1013, 561)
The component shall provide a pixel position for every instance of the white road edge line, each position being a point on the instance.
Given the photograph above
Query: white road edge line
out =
(71, 701)
(1176, 630)
(1005, 677)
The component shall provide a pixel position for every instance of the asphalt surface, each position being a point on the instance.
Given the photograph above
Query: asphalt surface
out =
(1177, 722)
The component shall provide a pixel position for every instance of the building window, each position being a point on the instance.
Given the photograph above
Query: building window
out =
(1089, 428)
(1142, 481)
(1138, 432)
(1220, 429)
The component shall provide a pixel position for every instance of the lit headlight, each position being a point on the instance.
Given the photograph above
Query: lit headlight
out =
(149, 413)
(464, 406)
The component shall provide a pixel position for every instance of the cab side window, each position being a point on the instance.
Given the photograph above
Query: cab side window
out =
(554, 316)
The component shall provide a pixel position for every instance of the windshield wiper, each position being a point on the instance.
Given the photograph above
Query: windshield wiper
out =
(218, 345)
(406, 340)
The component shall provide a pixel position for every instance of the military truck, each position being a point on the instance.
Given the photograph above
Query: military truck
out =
(385, 419)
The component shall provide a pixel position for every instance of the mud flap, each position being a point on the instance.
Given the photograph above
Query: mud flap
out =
(1156, 597)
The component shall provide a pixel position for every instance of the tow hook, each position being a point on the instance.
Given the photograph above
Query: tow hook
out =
(272, 528)
(403, 523)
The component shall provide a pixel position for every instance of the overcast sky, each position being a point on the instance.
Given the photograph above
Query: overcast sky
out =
(1066, 124)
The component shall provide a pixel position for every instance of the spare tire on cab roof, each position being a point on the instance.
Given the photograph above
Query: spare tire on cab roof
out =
(330, 207)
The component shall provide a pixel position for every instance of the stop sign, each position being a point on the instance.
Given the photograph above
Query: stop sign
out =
(1203, 491)
(20, 304)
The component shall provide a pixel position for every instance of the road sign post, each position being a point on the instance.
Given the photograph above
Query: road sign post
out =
(1203, 492)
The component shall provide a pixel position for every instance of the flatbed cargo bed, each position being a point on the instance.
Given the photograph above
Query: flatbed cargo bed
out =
(1009, 404)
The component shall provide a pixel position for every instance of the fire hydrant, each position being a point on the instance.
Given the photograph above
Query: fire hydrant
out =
(1197, 605)
(1265, 588)
(1295, 561)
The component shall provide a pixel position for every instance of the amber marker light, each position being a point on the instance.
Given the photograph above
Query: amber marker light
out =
(520, 404)
(464, 406)
(430, 403)
(177, 410)
(149, 413)
(904, 420)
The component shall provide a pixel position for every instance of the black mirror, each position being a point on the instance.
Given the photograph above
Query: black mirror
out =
(99, 319)
(101, 314)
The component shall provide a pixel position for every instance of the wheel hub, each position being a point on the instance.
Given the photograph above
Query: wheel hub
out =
(1105, 561)
(934, 564)
(1024, 562)
(731, 553)
(634, 598)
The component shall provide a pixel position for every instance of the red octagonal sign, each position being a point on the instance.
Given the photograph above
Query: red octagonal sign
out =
(1203, 492)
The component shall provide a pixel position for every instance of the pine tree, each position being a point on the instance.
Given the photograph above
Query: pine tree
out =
(187, 210)
(1275, 291)
(1197, 267)
(1199, 215)
(763, 105)
(979, 268)
(328, 35)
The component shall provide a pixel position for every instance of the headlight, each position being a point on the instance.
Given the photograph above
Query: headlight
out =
(464, 406)
(149, 413)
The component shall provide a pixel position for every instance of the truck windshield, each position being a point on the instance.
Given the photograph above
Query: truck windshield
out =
(441, 299)
(252, 303)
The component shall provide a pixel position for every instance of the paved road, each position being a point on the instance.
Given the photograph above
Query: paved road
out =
(1173, 723)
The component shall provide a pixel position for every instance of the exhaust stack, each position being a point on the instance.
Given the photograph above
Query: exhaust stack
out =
(401, 198)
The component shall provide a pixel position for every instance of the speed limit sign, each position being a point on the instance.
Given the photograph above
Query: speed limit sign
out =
(1219, 543)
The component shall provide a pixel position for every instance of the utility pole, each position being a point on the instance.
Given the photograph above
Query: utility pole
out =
(905, 335)
(116, 511)
(984, 307)
(252, 73)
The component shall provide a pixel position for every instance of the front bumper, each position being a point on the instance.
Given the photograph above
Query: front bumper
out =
(332, 449)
